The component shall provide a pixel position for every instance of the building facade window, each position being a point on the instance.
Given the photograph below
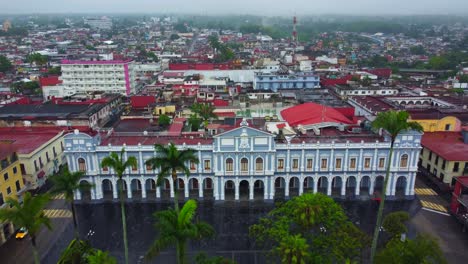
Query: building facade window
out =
(105, 169)
(148, 167)
(295, 164)
(5, 176)
(244, 165)
(192, 166)
(18, 186)
(323, 164)
(437, 160)
(259, 164)
(352, 163)
(430, 155)
(207, 164)
(8, 190)
(280, 164)
(404, 161)
(381, 163)
(338, 163)
(15, 170)
(81, 164)
(367, 162)
(230, 165)
(456, 166)
(310, 164)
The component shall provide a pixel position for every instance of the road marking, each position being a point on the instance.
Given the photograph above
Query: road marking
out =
(59, 196)
(434, 211)
(58, 213)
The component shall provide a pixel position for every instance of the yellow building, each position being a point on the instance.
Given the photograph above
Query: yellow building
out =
(444, 156)
(11, 184)
(164, 110)
(40, 152)
(448, 123)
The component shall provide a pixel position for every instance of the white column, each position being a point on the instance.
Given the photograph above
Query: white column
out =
(413, 179)
(129, 188)
(391, 185)
(236, 189)
(171, 184)
(315, 184)
(409, 180)
(158, 192)
(301, 185)
(271, 182)
(143, 189)
(343, 188)
(265, 189)
(115, 187)
(186, 188)
(357, 187)
(371, 187)
(77, 195)
(329, 185)
(200, 188)
(251, 190)
(286, 187)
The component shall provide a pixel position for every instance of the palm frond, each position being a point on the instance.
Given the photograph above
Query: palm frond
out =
(187, 212)
(159, 245)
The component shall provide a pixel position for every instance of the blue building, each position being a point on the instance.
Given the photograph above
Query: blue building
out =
(247, 163)
(285, 80)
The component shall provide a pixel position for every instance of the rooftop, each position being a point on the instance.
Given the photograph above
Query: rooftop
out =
(310, 113)
(448, 145)
(48, 111)
(27, 140)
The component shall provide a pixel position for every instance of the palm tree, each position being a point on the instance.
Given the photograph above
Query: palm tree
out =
(116, 162)
(394, 122)
(169, 160)
(293, 249)
(205, 111)
(177, 228)
(29, 214)
(68, 183)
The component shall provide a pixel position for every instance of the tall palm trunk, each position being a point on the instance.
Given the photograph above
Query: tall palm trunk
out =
(75, 224)
(34, 249)
(176, 193)
(381, 206)
(124, 220)
(180, 248)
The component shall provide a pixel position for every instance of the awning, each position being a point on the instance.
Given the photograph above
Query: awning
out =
(41, 174)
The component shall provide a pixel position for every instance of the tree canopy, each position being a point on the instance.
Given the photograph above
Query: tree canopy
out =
(5, 64)
(311, 228)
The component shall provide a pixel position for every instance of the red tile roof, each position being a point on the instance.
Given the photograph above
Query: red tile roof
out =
(310, 113)
(448, 145)
(29, 139)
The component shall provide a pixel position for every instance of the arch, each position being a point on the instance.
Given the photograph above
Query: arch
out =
(259, 164)
(293, 186)
(244, 190)
(229, 190)
(244, 165)
(85, 191)
(135, 186)
(229, 165)
(308, 184)
(150, 186)
(193, 187)
(280, 185)
(122, 185)
(400, 187)
(350, 185)
(259, 190)
(322, 185)
(404, 161)
(208, 188)
(107, 189)
(82, 165)
(378, 184)
(364, 185)
(337, 184)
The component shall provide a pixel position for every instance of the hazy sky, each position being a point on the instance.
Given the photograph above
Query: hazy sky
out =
(261, 7)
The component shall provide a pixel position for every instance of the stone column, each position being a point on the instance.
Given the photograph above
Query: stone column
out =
(271, 182)
(371, 187)
(200, 188)
(251, 190)
(115, 191)
(286, 187)
(301, 186)
(413, 179)
(329, 189)
(171, 186)
(158, 192)
(357, 189)
(236, 190)
(186, 188)
(315, 184)
(129, 189)
(143, 189)
(343, 188)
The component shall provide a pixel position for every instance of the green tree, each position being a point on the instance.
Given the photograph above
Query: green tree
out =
(28, 214)
(55, 70)
(164, 120)
(177, 228)
(153, 56)
(463, 78)
(423, 249)
(100, 257)
(37, 58)
(117, 163)
(393, 122)
(174, 37)
(439, 63)
(202, 258)
(169, 160)
(68, 183)
(311, 228)
(5, 64)
(194, 122)
(204, 111)
(75, 253)
(394, 223)
(417, 50)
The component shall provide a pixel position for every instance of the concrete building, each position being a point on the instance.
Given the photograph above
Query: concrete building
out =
(247, 163)
(99, 23)
(444, 155)
(285, 80)
(114, 76)
(39, 152)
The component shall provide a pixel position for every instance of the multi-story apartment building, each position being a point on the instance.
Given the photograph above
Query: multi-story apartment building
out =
(247, 163)
(114, 76)
(11, 184)
(99, 23)
(285, 80)
(39, 152)
(444, 155)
